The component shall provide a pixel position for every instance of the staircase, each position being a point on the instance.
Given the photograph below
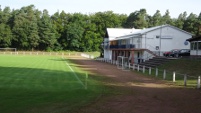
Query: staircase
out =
(156, 61)
(151, 52)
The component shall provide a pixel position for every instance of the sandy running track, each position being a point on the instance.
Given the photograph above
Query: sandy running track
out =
(134, 93)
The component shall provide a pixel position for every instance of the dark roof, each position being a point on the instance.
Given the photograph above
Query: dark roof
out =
(198, 38)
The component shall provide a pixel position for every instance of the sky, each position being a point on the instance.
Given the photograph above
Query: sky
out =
(175, 7)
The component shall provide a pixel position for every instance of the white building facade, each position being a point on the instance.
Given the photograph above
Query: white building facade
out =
(144, 44)
(195, 46)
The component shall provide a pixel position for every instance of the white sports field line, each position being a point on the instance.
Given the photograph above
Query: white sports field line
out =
(75, 74)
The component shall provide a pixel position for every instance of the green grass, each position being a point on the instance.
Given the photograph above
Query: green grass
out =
(190, 67)
(32, 84)
(185, 66)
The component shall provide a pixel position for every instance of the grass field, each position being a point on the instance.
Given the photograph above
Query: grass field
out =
(33, 84)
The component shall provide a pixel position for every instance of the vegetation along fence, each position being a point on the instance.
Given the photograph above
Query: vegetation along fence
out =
(178, 78)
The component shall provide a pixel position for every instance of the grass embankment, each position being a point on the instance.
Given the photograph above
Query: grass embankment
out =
(190, 67)
(33, 84)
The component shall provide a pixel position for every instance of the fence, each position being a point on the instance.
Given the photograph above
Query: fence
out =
(49, 53)
(178, 78)
(42, 53)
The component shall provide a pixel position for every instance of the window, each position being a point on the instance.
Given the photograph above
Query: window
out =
(195, 46)
(199, 45)
(192, 45)
(183, 51)
(157, 36)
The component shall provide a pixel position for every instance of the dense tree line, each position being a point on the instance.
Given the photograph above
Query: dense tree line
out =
(30, 29)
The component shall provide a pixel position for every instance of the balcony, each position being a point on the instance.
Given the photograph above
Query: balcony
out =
(129, 46)
(106, 47)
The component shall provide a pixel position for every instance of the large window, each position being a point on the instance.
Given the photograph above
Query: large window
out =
(192, 45)
(199, 45)
(195, 45)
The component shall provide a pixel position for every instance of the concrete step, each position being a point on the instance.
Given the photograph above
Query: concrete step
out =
(156, 61)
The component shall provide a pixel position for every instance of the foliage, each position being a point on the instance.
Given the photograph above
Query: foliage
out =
(30, 29)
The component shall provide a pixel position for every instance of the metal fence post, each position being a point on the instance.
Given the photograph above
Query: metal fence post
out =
(174, 76)
(185, 80)
(156, 72)
(149, 70)
(198, 84)
(133, 66)
(164, 74)
(138, 67)
(143, 69)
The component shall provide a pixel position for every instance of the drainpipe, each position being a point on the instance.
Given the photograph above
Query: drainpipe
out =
(145, 41)
(197, 48)
(160, 40)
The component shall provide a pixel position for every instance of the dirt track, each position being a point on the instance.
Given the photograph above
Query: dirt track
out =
(134, 93)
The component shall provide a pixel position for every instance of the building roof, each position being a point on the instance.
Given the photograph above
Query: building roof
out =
(112, 33)
(146, 30)
(198, 38)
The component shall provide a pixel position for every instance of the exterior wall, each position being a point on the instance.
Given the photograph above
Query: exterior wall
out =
(195, 48)
(108, 54)
(137, 41)
(195, 52)
(158, 40)
(170, 39)
(138, 56)
(107, 51)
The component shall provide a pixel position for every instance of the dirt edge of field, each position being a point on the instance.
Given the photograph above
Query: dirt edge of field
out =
(130, 92)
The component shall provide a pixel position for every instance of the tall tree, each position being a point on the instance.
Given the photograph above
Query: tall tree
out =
(137, 19)
(198, 25)
(74, 34)
(47, 32)
(5, 30)
(180, 20)
(141, 19)
(190, 23)
(166, 19)
(156, 19)
(25, 28)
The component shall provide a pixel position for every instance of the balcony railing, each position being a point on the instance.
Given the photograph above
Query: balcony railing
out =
(106, 47)
(129, 46)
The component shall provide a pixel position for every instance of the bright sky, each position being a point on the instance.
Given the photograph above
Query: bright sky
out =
(175, 7)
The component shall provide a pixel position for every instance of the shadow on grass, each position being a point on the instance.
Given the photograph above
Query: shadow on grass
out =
(41, 90)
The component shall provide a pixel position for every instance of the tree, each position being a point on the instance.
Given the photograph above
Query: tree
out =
(74, 34)
(5, 31)
(198, 25)
(47, 32)
(25, 28)
(5, 35)
(190, 23)
(166, 19)
(137, 19)
(141, 19)
(156, 19)
(179, 22)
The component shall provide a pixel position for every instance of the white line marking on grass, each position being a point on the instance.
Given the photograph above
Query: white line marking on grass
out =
(75, 74)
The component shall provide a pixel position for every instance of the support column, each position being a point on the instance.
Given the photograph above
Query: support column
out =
(113, 55)
(126, 54)
(132, 57)
(116, 54)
